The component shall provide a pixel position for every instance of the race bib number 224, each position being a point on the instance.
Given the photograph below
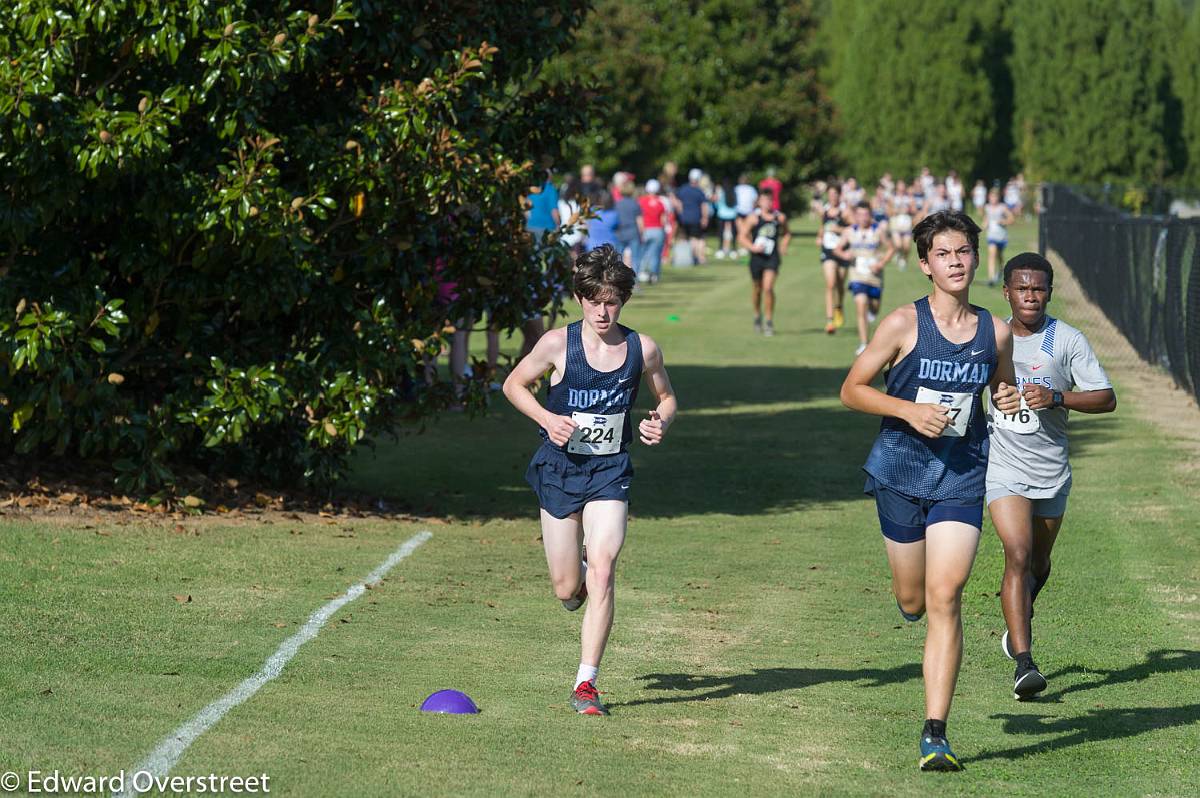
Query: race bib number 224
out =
(596, 433)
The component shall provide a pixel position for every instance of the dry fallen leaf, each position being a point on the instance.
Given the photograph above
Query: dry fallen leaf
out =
(183, 598)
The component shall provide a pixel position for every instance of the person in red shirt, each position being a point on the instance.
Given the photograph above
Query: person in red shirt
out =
(772, 183)
(654, 217)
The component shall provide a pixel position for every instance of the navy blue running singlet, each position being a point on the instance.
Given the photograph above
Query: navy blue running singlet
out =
(937, 371)
(596, 396)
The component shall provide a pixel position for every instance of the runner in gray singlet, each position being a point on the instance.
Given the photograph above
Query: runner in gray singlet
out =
(1029, 474)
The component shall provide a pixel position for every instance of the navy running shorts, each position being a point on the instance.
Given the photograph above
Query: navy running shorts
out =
(903, 518)
(872, 291)
(827, 254)
(564, 483)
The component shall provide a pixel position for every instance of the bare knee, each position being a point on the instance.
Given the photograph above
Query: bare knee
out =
(911, 599)
(944, 601)
(565, 587)
(601, 574)
(1016, 560)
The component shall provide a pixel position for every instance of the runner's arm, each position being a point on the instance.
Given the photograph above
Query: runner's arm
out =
(1005, 396)
(858, 393)
(841, 251)
(743, 236)
(548, 350)
(787, 235)
(885, 234)
(1095, 393)
(652, 429)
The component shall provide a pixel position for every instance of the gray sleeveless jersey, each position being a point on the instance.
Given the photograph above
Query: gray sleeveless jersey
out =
(1059, 358)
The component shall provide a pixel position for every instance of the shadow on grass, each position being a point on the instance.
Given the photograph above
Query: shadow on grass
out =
(741, 446)
(1103, 723)
(766, 680)
(1096, 725)
(1160, 661)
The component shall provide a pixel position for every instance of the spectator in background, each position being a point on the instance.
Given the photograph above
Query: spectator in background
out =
(568, 215)
(727, 217)
(618, 179)
(587, 180)
(668, 178)
(692, 207)
(745, 200)
(630, 226)
(602, 226)
(654, 218)
(772, 183)
(543, 208)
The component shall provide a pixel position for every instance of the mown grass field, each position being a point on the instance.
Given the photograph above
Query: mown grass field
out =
(757, 648)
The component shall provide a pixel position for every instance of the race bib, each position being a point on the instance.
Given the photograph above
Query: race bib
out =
(767, 244)
(596, 434)
(959, 406)
(830, 240)
(865, 265)
(1022, 422)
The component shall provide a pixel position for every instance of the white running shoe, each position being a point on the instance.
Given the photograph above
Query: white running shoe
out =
(644, 277)
(861, 348)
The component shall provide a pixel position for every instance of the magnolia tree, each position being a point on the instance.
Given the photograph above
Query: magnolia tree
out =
(233, 234)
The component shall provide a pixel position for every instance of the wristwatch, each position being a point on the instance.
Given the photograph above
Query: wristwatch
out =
(1056, 398)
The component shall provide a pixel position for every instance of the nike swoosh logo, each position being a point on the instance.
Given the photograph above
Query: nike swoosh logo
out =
(1035, 368)
(980, 352)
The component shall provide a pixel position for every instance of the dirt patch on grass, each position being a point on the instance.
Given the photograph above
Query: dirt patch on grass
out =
(1146, 390)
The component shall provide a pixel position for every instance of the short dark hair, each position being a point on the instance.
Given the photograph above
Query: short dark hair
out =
(1029, 261)
(863, 204)
(601, 273)
(941, 222)
(766, 192)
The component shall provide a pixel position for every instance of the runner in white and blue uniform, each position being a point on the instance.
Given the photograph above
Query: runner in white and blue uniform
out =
(900, 223)
(868, 247)
(927, 467)
(998, 218)
(1029, 474)
(581, 473)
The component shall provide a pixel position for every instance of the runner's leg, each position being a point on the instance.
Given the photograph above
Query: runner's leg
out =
(604, 532)
(563, 540)
(950, 548)
(768, 294)
(1013, 517)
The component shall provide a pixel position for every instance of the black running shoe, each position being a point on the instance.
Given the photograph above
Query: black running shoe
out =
(1028, 681)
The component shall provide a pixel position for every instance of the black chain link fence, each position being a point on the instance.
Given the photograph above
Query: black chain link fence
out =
(1142, 271)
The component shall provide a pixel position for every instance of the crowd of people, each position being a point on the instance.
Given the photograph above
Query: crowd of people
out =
(670, 218)
(665, 218)
(859, 235)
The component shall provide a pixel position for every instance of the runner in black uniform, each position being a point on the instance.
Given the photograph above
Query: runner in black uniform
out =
(765, 235)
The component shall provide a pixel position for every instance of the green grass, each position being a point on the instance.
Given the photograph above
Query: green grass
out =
(757, 647)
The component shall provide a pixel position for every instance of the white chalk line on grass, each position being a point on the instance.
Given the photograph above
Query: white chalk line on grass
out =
(164, 757)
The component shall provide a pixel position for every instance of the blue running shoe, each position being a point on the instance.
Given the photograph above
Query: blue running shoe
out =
(936, 755)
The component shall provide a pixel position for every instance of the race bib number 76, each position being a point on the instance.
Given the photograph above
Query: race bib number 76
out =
(596, 433)
(958, 407)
